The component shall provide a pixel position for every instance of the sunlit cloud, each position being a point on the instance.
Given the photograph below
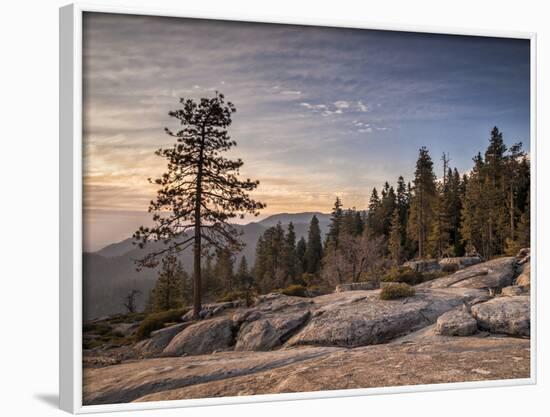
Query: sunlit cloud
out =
(320, 112)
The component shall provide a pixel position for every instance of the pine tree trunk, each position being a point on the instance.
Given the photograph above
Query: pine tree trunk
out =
(197, 244)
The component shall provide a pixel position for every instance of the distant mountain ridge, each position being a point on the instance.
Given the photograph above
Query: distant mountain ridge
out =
(110, 273)
(126, 245)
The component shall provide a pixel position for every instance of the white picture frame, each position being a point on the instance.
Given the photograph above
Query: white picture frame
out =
(70, 154)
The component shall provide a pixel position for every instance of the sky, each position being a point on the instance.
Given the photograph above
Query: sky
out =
(321, 112)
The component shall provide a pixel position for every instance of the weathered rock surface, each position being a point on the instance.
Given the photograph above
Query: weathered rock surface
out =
(508, 315)
(159, 340)
(348, 339)
(423, 265)
(366, 320)
(356, 286)
(211, 310)
(523, 256)
(202, 337)
(524, 278)
(275, 302)
(496, 273)
(267, 333)
(514, 290)
(439, 360)
(456, 323)
(460, 262)
(132, 380)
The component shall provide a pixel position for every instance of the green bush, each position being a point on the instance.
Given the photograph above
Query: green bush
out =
(156, 321)
(396, 290)
(428, 276)
(308, 279)
(317, 290)
(404, 275)
(295, 290)
(232, 296)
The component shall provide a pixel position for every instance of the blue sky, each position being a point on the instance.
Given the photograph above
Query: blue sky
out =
(321, 112)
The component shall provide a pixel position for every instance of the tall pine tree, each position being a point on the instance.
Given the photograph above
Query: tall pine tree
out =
(422, 202)
(335, 225)
(314, 248)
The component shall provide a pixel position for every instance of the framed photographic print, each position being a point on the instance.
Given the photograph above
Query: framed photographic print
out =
(291, 209)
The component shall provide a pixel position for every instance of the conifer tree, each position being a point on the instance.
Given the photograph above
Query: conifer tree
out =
(421, 211)
(455, 209)
(335, 224)
(314, 248)
(223, 269)
(523, 234)
(439, 240)
(402, 202)
(352, 223)
(394, 242)
(301, 257)
(495, 194)
(374, 222)
(209, 280)
(269, 268)
(167, 294)
(245, 280)
(514, 181)
(290, 261)
(387, 207)
(473, 206)
(200, 192)
(242, 270)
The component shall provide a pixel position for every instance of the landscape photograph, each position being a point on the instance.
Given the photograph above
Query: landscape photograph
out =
(274, 208)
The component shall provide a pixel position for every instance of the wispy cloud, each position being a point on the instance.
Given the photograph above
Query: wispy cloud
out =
(320, 111)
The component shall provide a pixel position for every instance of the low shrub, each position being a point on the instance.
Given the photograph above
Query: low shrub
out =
(247, 296)
(295, 290)
(428, 276)
(233, 296)
(317, 290)
(403, 274)
(308, 279)
(156, 321)
(396, 290)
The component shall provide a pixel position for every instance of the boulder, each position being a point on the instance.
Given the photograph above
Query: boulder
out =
(267, 333)
(513, 290)
(368, 320)
(461, 262)
(203, 337)
(210, 310)
(524, 252)
(423, 265)
(159, 340)
(508, 315)
(274, 302)
(524, 278)
(496, 273)
(242, 316)
(356, 286)
(456, 323)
